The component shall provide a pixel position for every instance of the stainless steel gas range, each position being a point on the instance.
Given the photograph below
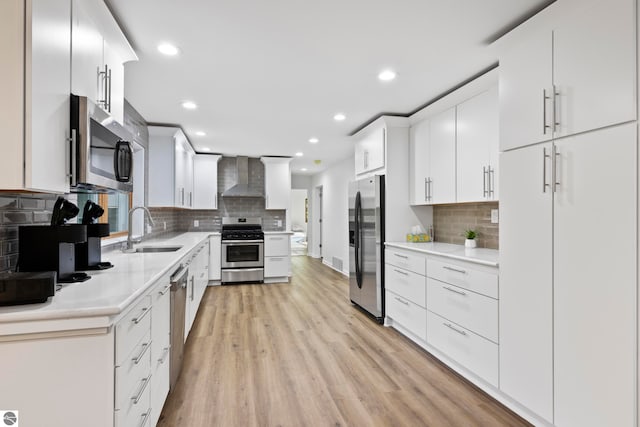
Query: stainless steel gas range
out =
(242, 250)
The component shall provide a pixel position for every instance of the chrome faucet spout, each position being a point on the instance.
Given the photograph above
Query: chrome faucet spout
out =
(129, 246)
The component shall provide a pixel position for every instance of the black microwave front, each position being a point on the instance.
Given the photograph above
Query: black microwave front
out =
(101, 149)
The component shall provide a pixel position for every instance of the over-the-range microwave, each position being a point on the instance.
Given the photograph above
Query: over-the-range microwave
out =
(101, 152)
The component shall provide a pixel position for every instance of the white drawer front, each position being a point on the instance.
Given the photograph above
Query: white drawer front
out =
(477, 280)
(407, 314)
(468, 349)
(475, 312)
(276, 245)
(160, 321)
(132, 370)
(131, 328)
(411, 261)
(159, 390)
(276, 266)
(135, 411)
(405, 283)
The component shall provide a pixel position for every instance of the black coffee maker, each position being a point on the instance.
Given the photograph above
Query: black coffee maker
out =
(52, 247)
(89, 253)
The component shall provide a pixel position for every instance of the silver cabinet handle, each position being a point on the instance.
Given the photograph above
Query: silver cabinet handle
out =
(426, 193)
(275, 258)
(145, 418)
(276, 238)
(190, 199)
(165, 290)
(404, 273)
(454, 269)
(430, 189)
(491, 173)
(401, 256)
(554, 170)
(556, 108)
(402, 301)
(145, 383)
(545, 156)
(138, 319)
(192, 287)
(108, 88)
(74, 158)
(455, 291)
(145, 347)
(366, 159)
(182, 196)
(545, 98)
(450, 326)
(485, 191)
(165, 353)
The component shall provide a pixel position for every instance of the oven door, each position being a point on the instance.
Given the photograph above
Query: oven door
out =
(242, 253)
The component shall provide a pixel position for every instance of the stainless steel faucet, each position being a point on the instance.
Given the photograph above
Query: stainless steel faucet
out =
(130, 241)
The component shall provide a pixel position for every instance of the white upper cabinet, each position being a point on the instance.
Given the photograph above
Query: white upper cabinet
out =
(370, 150)
(568, 71)
(419, 163)
(99, 51)
(477, 148)
(277, 182)
(205, 181)
(183, 171)
(35, 87)
(441, 187)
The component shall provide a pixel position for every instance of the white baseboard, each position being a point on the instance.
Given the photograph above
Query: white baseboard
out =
(324, 261)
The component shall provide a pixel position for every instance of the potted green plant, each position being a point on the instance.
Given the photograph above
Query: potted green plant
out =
(470, 236)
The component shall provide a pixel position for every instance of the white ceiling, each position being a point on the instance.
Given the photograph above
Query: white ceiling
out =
(269, 75)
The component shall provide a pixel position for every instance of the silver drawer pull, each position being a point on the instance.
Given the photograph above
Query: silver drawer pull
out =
(145, 347)
(145, 311)
(455, 291)
(403, 301)
(165, 353)
(454, 269)
(165, 290)
(276, 238)
(448, 325)
(145, 418)
(401, 256)
(275, 259)
(145, 383)
(404, 273)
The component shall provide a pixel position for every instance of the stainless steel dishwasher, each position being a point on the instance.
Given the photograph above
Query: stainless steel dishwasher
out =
(178, 300)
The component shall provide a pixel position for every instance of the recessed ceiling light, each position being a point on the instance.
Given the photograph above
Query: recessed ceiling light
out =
(168, 49)
(339, 117)
(200, 133)
(314, 140)
(303, 169)
(189, 105)
(387, 75)
(299, 154)
(206, 149)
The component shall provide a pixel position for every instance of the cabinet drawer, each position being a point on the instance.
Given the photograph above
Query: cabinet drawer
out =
(406, 284)
(465, 276)
(407, 314)
(160, 320)
(137, 408)
(468, 349)
(468, 309)
(132, 370)
(276, 245)
(159, 391)
(411, 261)
(131, 328)
(276, 266)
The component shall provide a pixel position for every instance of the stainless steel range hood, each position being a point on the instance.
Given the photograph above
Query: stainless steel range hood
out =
(242, 187)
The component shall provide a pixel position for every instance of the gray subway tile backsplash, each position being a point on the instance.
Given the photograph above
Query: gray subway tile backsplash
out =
(450, 221)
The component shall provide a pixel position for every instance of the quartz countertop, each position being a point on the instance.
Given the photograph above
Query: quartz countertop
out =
(476, 255)
(110, 291)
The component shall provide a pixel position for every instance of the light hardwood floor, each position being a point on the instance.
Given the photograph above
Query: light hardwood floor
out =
(299, 354)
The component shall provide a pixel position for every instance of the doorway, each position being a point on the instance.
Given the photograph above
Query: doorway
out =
(299, 221)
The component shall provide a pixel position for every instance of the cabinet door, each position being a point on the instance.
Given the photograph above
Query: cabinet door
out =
(183, 171)
(205, 181)
(87, 53)
(594, 278)
(114, 64)
(477, 134)
(188, 177)
(369, 151)
(48, 84)
(419, 162)
(215, 253)
(277, 182)
(442, 163)
(526, 90)
(526, 292)
(595, 80)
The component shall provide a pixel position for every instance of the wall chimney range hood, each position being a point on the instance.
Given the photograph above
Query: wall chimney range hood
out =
(242, 187)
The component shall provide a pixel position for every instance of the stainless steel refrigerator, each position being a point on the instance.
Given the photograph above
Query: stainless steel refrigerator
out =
(366, 245)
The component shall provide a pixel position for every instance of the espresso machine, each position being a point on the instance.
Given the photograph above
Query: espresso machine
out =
(89, 253)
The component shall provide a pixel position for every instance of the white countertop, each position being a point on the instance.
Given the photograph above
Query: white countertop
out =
(109, 292)
(477, 255)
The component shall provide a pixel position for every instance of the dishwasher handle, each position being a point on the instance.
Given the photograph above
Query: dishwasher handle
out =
(179, 278)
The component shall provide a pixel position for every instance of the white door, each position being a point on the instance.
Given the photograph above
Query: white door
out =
(526, 90)
(419, 162)
(526, 316)
(594, 66)
(594, 278)
(477, 134)
(442, 162)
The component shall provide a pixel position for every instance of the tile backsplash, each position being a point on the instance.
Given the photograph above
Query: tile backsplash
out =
(450, 221)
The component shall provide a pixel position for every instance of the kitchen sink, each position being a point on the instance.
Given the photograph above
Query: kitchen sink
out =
(158, 248)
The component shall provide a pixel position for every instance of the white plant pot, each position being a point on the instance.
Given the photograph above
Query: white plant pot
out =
(470, 243)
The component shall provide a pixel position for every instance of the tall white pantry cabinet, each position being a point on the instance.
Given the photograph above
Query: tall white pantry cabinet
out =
(568, 213)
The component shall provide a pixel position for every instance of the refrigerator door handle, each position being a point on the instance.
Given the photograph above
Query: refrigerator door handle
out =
(358, 257)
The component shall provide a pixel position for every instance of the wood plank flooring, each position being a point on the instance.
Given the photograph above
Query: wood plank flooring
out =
(300, 354)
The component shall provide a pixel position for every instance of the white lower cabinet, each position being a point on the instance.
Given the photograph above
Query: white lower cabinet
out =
(160, 347)
(400, 311)
(277, 257)
(215, 260)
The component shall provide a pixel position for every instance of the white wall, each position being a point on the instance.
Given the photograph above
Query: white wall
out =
(335, 215)
(301, 182)
(298, 222)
